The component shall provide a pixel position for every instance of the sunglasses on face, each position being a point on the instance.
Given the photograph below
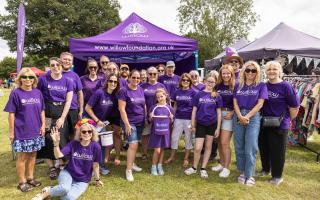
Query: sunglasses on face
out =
(93, 67)
(194, 76)
(104, 62)
(27, 77)
(111, 81)
(234, 62)
(86, 132)
(124, 69)
(186, 80)
(111, 69)
(161, 70)
(137, 78)
(211, 82)
(56, 64)
(250, 70)
(152, 74)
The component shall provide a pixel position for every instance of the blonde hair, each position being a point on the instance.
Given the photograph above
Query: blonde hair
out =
(163, 91)
(66, 54)
(232, 80)
(94, 137)
(23, 72)
(274, 63)
(242, 78)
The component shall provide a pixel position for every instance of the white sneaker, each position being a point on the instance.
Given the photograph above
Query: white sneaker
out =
(276, 181)
(129, 175)
(136, 168)
(190, 171)
(217, 168)
(204, 173)
(224, 173)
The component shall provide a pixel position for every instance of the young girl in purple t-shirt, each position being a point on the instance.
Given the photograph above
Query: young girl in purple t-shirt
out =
(205, 123)
(161, 117)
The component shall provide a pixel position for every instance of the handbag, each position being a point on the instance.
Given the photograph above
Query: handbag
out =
(161, 123)
(275, 122)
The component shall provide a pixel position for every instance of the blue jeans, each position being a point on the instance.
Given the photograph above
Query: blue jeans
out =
(246, 143)
(67, 188)
(136, 132)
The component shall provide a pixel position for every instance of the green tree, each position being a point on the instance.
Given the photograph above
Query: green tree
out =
(216, 23)
(7, 66)
(51, 23)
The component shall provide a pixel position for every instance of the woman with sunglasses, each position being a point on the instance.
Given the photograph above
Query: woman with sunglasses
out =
(132, 107)
(84, 154)
(182, 108)
(248, 100)
(89, 81)
(205, 123)
(26, 133)
(149, 90)
(100, 108)
(57, 93)
(197, 85)
(283, 102)
(161, 69)
(225, 87)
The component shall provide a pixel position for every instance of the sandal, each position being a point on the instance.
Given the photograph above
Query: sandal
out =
(34, 183)
(24, 187)
(53, 173)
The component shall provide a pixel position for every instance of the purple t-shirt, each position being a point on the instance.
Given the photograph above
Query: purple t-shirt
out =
(226, 94)
(102, 104)
(135, 102)
(27, 107)
(183, 99)
(281, 97)
(171, 83)
(150, 93)
(77, 86)
(248, 96)
(199, 87)
(54, 90)
(236, 75)
(80, 165)
(89, 87)
(206, 107)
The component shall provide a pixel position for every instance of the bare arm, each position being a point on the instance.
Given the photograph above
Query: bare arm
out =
(55, 135)
(294, 112)
(80, 102)
(122, 108)
(11, 127)
(93, 116)
(65, 111)
(314, 111)
(97, 174)
(43, 126)
(255, 109)
(175, 107)
(193, 119)
(217, 131)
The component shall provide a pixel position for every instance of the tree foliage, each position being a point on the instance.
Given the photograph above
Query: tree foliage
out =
(51, 23)
(216, 23)
(7, 66)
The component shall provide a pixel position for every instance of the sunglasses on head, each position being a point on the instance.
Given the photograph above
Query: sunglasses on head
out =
(55, 64)
(104, 62)
(112, 81)
(27, 77)
(86, 132)
(250, 70)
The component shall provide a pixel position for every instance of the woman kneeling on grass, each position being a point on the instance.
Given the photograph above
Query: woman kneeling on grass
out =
(161, 116)
(206, 123)
(26, 133)
(84, 155)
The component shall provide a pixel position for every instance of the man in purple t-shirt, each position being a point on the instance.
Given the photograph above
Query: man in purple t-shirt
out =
(170, 80)
(76, 108)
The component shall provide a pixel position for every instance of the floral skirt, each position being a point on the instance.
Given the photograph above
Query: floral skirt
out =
(30, 145)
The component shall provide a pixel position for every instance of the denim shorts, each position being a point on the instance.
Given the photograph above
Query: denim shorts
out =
(136, 132)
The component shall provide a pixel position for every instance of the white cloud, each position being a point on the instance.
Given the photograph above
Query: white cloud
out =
(301, 15)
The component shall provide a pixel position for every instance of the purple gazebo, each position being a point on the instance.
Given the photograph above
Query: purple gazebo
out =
(139, 43)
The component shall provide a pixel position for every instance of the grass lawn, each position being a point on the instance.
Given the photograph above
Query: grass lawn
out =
(301, 178)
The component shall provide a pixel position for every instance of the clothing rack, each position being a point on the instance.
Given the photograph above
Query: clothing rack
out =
(304, 78)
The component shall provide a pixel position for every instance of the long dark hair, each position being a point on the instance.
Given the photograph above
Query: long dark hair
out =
(105, 86)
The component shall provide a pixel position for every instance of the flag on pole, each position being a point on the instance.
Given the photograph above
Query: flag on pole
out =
(20, 35)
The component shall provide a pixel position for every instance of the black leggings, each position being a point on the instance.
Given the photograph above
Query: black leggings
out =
(272, 147)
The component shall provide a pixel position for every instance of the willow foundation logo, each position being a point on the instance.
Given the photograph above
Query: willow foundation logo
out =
(134, 30)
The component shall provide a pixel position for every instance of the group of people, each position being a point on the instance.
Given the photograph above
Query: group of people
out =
(56, 117)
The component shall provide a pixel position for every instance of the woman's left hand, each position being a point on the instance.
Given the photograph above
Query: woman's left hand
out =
(99, 183)
(228, 116)
(42, 130)
(216, 133)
